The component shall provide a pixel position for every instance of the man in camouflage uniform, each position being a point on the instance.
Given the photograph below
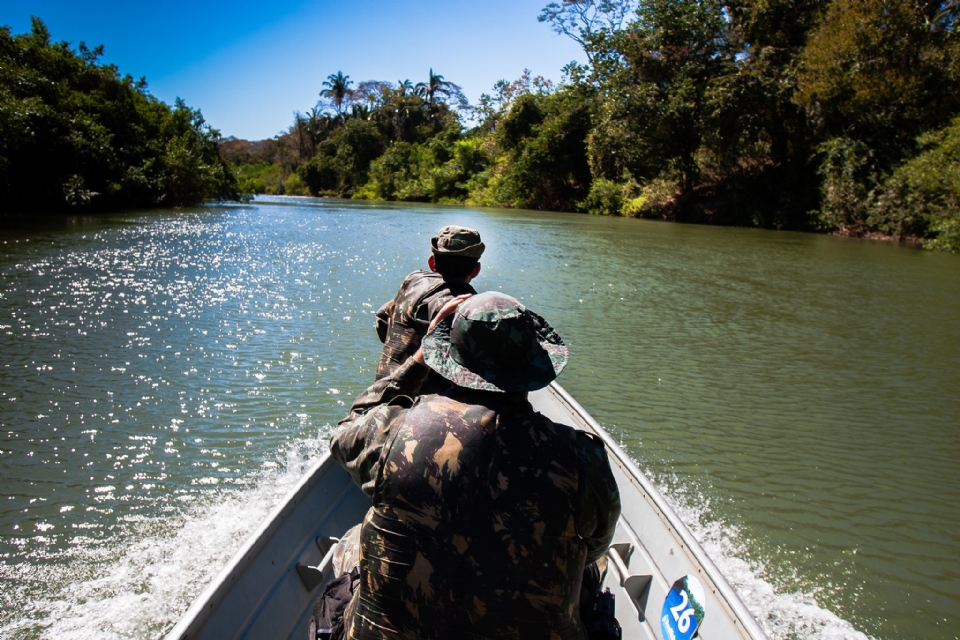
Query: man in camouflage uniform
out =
(484, 512)
(402, 322)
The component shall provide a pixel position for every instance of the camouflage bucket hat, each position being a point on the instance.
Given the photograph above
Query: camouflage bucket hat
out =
(457, 241)
(494, 343)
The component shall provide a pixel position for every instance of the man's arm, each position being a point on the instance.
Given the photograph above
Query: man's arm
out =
(599, 497)
(383, 319)
(377, 412)
(372, 421)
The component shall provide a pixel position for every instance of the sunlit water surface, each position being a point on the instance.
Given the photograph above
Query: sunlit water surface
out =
(167, 376)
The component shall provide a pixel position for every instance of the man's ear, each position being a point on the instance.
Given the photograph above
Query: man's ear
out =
(475, 272)
(432, 263)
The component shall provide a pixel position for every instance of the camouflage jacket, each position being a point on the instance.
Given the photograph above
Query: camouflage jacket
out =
(484, 514)
(402, 322)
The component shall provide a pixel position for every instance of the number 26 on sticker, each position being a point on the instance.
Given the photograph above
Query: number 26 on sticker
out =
(683, 612)
(683, 609)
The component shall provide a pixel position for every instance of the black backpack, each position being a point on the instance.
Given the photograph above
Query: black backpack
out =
(329, 608)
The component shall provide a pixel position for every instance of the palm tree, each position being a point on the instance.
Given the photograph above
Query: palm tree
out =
(338, 89)
(435, 86)
(318, 128)
(403, 86)
(361, 111)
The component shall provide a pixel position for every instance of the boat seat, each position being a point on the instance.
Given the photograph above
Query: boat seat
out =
(312, 577)
(636, 585)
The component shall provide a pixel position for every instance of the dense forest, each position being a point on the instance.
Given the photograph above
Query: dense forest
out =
(829, 115)
(76, 136)
(821, 115)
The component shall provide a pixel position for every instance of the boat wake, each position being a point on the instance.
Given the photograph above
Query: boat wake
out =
(138, 586)
(783, 616)
(141, 585)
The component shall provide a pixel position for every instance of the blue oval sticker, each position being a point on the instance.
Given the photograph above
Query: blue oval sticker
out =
(682, 610)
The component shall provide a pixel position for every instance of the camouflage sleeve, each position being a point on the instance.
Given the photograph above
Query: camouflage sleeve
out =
(372, 421)
(383, 319)
(599, 497)
(428, 307)
(431, 306)
(421, 317)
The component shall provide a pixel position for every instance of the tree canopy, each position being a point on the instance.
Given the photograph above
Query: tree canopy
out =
(337, 89)
(76, 135)
(824, 115)
(829, 115)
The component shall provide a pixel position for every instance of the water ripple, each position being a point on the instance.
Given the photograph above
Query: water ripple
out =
(795, 395)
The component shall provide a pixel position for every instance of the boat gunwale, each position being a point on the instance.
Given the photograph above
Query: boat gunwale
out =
(215, 592)
(689, 542)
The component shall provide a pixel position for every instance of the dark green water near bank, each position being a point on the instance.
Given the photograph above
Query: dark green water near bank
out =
(166, 376)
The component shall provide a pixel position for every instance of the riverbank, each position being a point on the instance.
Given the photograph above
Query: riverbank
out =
(28, 222)
(824, 126)
(867, 234)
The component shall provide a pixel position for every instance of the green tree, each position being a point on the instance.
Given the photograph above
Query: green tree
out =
(75, 135)
(343, 160)
(337, 90)
(671, 55)
(193, 168)
(700, 95)
(434, 88)
(541, 144)
(438, 170)
(881, 72)
(403, 116)
(921, 198)
(874, 76)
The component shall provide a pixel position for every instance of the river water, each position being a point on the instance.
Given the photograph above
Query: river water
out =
(167, 376)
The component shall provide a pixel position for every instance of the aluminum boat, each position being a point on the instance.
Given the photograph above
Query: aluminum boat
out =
(665, 585)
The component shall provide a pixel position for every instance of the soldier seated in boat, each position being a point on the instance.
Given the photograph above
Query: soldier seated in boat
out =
(485, 512)
(402, 322)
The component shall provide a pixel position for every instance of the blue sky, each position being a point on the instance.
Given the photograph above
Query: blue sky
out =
(249, 65)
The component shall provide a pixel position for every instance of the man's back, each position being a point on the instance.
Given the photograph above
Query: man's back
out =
(491, 492)
(402, 322)
(484, 512)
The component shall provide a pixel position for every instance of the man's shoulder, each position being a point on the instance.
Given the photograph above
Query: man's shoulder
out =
(417, 276)
(430, 291)
(420, 282)
(415, 287)
(424, 273)
(588, 444)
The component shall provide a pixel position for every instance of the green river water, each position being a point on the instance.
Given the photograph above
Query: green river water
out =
(166, 376)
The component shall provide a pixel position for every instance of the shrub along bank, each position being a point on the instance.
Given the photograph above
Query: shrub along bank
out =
(76, 136)
(829, 115)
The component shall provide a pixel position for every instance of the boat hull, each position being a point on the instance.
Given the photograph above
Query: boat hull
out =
(263, 594)
(260, 594)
